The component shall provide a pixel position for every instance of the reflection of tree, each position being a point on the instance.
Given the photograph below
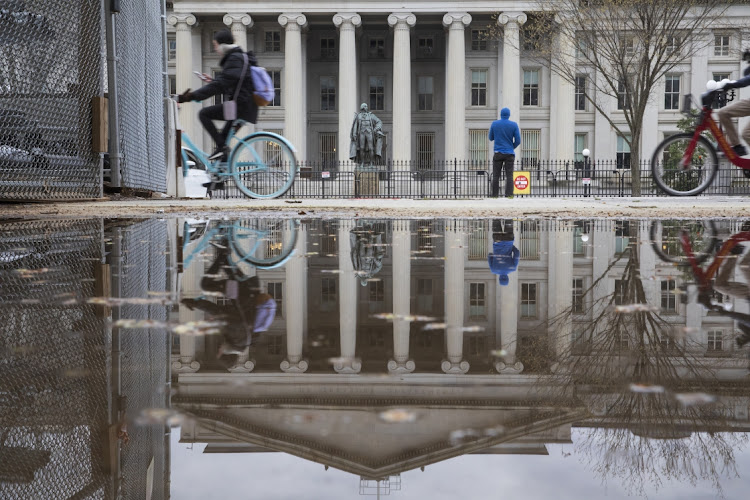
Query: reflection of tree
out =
(631, 369)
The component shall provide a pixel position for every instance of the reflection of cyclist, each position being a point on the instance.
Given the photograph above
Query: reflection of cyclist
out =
(736, 110)
(736, 289)
(225, 83)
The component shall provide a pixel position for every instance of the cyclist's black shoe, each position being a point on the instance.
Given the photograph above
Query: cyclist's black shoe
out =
(214, 186)
(220, 154)
(740, 149)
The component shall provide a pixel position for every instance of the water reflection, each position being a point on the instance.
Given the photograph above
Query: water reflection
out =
(372, 346)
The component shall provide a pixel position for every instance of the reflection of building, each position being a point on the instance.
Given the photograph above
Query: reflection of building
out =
(322, 398)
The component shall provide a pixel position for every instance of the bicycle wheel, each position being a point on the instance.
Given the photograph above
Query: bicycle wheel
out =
(670, 175)
(264, 243)
(665, 239)
(263, 165)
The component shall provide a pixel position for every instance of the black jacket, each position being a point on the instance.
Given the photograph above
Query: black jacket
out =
(226, 82)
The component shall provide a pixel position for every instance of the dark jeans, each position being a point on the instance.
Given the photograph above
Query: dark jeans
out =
(502, 230)
(502, 161)
(207, 116)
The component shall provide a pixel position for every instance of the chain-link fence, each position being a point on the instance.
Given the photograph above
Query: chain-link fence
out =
(50, 69)
(140, 94)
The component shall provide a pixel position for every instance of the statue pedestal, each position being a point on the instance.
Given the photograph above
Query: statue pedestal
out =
(367, 184)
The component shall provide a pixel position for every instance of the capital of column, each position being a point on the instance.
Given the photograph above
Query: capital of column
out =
(185, 366)
(456, 20)
(511, 18)
(182, 21)
(403, 20)
(460, 368)
(399, 368)
(294, 366)
(245, 367)
(516, 367)
(292, 21)
(347, 19)
(348, 365)
(244, 19)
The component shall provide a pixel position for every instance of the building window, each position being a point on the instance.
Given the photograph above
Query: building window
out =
(477, 301)
(376, 49)
(172, 85)
(275, 344)
(328, 48)
(528, 300)
(668, 297)
(580, 96)
(478, 240)
(672, 92)
(479, 148)
(577, 304)
(479, 39)
(424, 93)
(620, 296)
(721, 45)
(328, 295)
(328, 235)
(327, 148)
(327, 93)
(580, 144)
(276, 79)
(425, 245)
(531, 87)
(425, 46)
(715, 340)
(717, 78)
(580, 228)
(629, 45)
(623, 152)
(582, 47)
(623, 99)
(530, 239)
(424, 295)
(479, 87)
(171, 47)
(425, 150)
(477, 345)
(377, 93)
(531, 146)
(673, 45)
(376, 339)
(375, 295)
(622, 236)
(273, 41)
(275, 290)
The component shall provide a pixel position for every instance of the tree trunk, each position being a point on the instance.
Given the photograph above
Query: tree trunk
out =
(635, 162)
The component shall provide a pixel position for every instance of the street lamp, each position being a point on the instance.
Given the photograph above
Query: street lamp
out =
(586, 173)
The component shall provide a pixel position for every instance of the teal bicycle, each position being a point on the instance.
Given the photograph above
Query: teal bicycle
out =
(262, 164)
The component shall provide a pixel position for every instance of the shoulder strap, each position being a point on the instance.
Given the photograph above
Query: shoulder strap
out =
(242, 77)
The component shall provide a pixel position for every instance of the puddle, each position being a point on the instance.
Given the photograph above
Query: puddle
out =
(368, 356)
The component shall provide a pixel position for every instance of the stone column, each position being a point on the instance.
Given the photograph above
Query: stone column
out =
(455, 259)
(511, 22)
(238, 25)
(348, 293)
(184, 77)
(295, 114)
(560, 297)
(295, 305)
(347, 23)
(402, 22)
(506, 302)
(562, 135)
(455, 86)
(401, 298)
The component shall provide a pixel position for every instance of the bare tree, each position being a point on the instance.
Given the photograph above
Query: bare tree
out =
(624, 47)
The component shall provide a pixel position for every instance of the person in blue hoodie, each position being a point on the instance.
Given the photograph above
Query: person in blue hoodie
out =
(504, 257)
(507, 137)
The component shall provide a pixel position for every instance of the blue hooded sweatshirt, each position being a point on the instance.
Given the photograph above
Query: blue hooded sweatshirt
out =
(505, 133)
(503, 260)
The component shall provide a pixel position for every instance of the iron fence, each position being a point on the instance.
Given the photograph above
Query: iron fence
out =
(466, 180)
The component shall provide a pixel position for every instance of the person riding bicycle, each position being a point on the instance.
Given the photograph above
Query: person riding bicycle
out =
(225, 83)
(736, 110)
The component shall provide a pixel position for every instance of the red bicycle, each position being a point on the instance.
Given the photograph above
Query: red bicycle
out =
(686, 164)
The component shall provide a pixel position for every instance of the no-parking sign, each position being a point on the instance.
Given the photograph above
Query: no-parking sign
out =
(521, 182)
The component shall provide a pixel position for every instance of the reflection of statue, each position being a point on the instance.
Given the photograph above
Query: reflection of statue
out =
(367, 252)
(367, 138)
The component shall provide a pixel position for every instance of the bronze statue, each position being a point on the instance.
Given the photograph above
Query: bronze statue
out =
(366, 138)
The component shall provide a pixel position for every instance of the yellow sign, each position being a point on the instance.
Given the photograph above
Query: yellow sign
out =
(521, 183)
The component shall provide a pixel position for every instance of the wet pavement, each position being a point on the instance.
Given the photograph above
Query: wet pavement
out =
(294, 356)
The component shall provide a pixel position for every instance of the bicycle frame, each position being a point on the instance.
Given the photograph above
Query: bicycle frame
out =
(202, 155)
(704, 277)
(708, 123)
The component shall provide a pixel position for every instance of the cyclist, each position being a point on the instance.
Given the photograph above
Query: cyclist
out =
(225, 83)
(736, 110)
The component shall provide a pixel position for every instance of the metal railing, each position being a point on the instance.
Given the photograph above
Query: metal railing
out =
(471, 180)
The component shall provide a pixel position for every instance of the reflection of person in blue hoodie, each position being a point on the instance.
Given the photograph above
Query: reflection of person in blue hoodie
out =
(507, 137)
(504, 257)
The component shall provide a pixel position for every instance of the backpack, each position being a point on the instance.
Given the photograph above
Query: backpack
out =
(263, 93)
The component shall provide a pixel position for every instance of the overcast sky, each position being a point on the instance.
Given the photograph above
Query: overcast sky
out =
(279, 476)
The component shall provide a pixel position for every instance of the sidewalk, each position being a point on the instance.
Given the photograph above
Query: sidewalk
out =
(663, 207)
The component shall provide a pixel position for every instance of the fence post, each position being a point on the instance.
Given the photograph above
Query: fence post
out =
(455, 175)
(389, 166)
(323, 180)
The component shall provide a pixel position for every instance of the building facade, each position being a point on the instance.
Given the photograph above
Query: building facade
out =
(431, 71)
